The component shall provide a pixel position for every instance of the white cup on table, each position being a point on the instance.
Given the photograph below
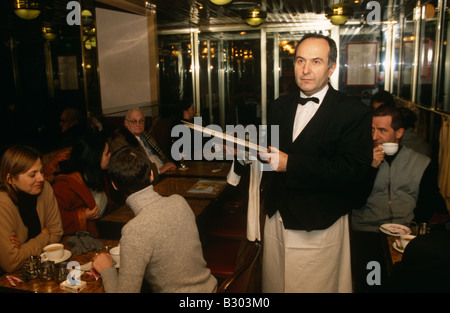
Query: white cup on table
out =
(53, 252)
(115, 254)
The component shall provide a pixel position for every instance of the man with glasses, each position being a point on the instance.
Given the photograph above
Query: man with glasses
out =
(134, 134)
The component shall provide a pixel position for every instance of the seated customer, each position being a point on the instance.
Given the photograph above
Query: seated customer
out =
(410, 138)
(134, 135)
(29, 213)
(404, 184)
(72, 127)
(382, 97)
(425, 266)
(161, 244)
(188, 111)
(401, 188)
(81, 183)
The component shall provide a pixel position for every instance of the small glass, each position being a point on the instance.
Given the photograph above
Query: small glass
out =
(60, 272)
(47, 270)
(423, 229)
(34, 266)
(182, 164)
(26, 271)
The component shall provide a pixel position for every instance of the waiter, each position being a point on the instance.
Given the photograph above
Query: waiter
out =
(325, 151)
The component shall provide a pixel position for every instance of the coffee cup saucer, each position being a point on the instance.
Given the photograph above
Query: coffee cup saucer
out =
(67, 254)
(397, 247)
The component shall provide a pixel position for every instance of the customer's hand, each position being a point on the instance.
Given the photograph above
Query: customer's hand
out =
(102, 261)
(167, 167)
(378, 156)
(15, 240)
(92, 214)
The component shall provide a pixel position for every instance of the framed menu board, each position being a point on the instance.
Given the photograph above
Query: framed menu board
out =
(361, 65)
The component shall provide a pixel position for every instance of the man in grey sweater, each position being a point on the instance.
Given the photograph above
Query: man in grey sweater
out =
(161, 243)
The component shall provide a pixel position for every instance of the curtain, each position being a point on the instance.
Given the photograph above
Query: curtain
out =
(444, 160)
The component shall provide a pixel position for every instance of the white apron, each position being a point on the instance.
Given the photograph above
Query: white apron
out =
(300, 261)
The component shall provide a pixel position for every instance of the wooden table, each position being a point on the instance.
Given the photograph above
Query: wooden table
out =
(183, 186)
(39, 286)
(392, 255)
(204, 169)
(125, 214)
(110, 226)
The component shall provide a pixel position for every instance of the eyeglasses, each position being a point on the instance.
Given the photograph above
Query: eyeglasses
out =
(135, 122)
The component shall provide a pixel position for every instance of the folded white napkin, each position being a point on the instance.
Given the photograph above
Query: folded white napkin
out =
(253, 208)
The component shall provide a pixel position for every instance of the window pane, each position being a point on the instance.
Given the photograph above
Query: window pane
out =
(427, 47)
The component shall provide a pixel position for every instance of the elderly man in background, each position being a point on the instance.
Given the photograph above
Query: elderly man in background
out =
(133, 134)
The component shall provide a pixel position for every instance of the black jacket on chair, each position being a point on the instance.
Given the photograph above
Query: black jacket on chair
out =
(327, 162)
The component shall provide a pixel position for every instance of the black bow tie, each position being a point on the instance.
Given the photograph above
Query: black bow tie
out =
(303, 101)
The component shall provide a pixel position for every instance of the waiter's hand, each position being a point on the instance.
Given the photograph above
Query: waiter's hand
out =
(276, 158)
(378, 156)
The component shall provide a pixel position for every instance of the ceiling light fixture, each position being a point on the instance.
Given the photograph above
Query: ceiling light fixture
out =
(49, 33)
(27, 9)
(255, 17)
(339, 13)
(221, 2)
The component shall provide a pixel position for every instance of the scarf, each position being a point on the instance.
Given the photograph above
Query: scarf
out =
(27, 209)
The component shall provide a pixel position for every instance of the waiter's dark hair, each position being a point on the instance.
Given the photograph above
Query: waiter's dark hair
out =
(332, 55)
(130, 169)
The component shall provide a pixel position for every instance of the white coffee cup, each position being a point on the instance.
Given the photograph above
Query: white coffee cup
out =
(53, 252)
(405, 239)
(390, 148)
(115, 254)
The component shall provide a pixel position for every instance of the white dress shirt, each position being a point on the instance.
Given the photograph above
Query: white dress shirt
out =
(305, 112)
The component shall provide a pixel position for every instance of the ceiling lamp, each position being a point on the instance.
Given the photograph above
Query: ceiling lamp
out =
(339, 13)
(221, 2)
(49, 33)
(86, 17)
(27, 9)
(255, 17)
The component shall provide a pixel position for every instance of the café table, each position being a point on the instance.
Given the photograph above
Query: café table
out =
(201, 194)
(203, 168)
(38, 285)
(125, 214)
(392, 255)
(191, 187)
(110, 226)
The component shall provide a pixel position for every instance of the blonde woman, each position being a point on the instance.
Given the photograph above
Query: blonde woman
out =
(29, 215)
